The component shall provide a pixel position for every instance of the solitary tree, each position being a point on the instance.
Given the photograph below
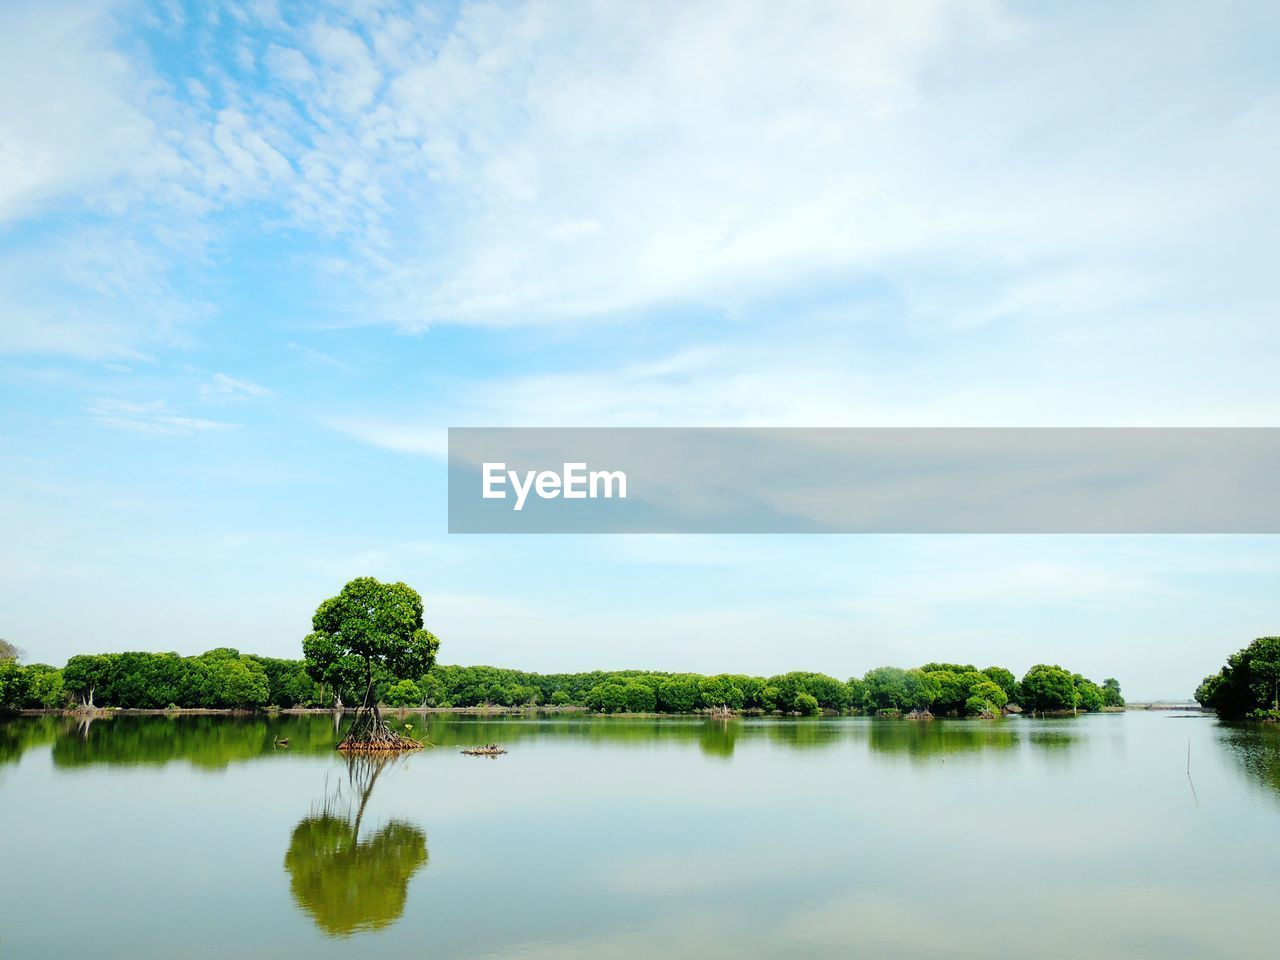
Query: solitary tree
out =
(368, 628)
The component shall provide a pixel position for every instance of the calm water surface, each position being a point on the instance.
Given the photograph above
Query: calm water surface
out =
(608, 838)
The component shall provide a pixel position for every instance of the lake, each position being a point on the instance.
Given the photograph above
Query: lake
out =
(198, 837)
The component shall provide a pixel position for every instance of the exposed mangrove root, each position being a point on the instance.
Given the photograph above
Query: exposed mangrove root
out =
(369, 733)
(919, 715)
(488, 750)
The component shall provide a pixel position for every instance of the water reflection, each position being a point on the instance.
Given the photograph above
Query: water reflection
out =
(208, 742)
(215, 742)
(718, 737)
(1256, 748)
(348, 884)
(19, 736)
(756, 837)
(931, 739)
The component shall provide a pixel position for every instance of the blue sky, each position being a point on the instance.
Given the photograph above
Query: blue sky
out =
(254, 259)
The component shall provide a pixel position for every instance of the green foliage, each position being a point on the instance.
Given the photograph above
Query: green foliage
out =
(978, 707)
(1089, 695)
(44, 686)
(403, 693)
(986, 699)
(433, 691)
(1250, 682)
(958, 690)
(1111, 696)
(1005, 680)
(369, 626)
(752, 692)
(956, 668)
(241, 682)
(608, 697)
(1048, 687)
(857, 692)
(14, 686)
(922, 690)
(806, 704)
(84, 674)
(952, 691)
(640, 697)
(226, 678)
(829, 692)
(721, 692)
(679, 694)
(289, 684)
(769, 697)
(218, 679)
(524, 694)
(884, 688)
(892, 688)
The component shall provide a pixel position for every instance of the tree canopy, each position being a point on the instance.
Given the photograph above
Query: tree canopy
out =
(1248, 685)
(369, 628)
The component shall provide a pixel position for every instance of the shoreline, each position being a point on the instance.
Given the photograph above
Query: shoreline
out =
(484, 711)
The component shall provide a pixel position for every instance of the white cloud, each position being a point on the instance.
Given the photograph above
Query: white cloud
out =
(95, 293)
(431, 441)
(717, 152)
(222, 388)
(153, 418)
(71, 108)
(536, 163)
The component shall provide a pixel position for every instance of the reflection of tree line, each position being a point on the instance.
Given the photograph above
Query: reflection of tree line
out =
(1256, 748)
(214, 742)
(205, 742)
(19, 736)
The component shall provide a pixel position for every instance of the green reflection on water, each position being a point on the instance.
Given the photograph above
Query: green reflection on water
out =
(682, 836)
(1256, 748)
(929, 739)
(344, 883)
(214, 742)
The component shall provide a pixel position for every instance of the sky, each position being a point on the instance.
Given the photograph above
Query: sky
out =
(256, 258)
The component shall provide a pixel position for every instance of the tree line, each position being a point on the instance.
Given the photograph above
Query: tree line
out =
(224, 678)
(1248, 686)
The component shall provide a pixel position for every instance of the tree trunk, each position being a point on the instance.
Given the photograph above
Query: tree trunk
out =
(369, 733)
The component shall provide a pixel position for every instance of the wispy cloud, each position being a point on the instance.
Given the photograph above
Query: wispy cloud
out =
(527, 164)
(222, 389)
(317, 357)
(153, 418)
(428, 440)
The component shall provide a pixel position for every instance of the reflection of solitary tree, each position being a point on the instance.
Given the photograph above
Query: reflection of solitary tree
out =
(348, 884)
